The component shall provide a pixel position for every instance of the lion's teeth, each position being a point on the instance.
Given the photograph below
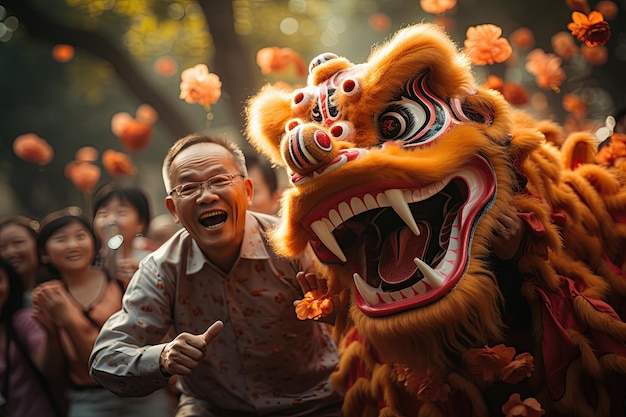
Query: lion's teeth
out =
(368, 294)
(401, 207)
(327, 238)
(433, 277)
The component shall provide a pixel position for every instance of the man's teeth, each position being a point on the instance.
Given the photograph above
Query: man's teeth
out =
(327, 238)
(433, 277)
(401, 207)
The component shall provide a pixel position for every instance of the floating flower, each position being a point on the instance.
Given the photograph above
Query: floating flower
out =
(578, 5)
(519, 369)
(515, 94)
(134, 134)
(117, 164)
(63, 53)
(146, 113)
(485, 365)
(484, 45)
(546, 68)
(592, 30)
(515, 407)
(84, 175)
(314, 305)
(275, 59)
(165, 66)
(379, 22)
(522, 38)
(427, 385)
(32, 148)
(563, 45)
(575, 105)
(200, 86)
(86, 154)
(595, 56)
(608, 9)
(437, 6)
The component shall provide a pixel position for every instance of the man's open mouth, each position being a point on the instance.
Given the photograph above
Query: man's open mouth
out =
(213, 219)
(406, 244)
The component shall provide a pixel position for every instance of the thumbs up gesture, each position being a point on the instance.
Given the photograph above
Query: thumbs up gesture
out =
(184, 353)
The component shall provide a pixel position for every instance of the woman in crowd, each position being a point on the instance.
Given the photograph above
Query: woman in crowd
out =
(74, 307)
(24, 388)
(121, 219)
(18, 246)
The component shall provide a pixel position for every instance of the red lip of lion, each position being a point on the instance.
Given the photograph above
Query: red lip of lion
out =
(401, 169)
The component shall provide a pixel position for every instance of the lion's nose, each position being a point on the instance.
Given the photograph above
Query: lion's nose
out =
(306, 148)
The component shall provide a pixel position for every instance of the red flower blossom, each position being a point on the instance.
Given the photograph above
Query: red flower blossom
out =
(437, 6)
(314, 305)
(200, 86)
(515, 407)
(546, 68)
(84, 175)
(484, 45)
(592, 30)
(117, 164)
(485, 365)
(32, 148)
(427, 385)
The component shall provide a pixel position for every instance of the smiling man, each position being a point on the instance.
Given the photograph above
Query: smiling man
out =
(240, 349)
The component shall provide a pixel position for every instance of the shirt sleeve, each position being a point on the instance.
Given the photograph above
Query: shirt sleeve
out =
(125, 357)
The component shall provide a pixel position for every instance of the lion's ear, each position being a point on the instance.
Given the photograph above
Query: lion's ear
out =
(579, 148)
(267, 114)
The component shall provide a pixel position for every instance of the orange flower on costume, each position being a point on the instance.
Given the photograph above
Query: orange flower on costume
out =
(84, 175)
(592, 30)
(437, 6)
(117, 164)
(484, 45)
(314, 305)
(86, 154)
(546, 68)
(515, 407)
(520, 368)
(522, 38)
(427, 385)
(275, 59)
(563, 45)
(485, 365)
(200, 86)
(32, 148)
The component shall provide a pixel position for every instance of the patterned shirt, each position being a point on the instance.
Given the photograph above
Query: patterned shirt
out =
(264, 361)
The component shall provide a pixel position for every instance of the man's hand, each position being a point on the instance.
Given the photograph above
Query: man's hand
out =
(310, 283)
(184, 353)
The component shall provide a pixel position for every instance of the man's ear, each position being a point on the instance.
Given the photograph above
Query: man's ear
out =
(171, 207)
(249, 185)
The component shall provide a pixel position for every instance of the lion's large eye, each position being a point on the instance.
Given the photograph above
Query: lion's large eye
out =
(402, 120)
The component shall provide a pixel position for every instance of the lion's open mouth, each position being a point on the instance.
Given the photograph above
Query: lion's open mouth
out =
(406, 245)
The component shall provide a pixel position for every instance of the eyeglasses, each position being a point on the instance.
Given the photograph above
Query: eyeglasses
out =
(194, 189)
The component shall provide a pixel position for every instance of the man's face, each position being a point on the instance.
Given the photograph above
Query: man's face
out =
(215, 219)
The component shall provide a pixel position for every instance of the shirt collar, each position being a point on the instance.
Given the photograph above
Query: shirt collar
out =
(252, 247)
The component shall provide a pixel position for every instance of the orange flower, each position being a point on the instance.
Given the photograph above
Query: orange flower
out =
(275, 59)
(117, 164)
(200, 86)
(514, 407)
(494, 82)
(578, 5)
(63, 53)
(484, 45)
(84, 175)
(595, 56)
(563, 45)
(379, 22)
(546, 68)
(485, 365)
(614, 153)
(519, 368)
(146, 113)
(437, 6)
(592, 30)
(427, 385)
(314, 305)
(522, 38)
(515, 94)
(135, 135)
(86, 154)
(608, 9)
(32, 148)
(575, 105)
(165, 66)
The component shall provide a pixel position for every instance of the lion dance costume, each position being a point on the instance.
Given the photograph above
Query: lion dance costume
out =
(402, 168)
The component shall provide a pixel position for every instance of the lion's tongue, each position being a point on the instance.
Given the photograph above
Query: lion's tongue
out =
(399, 249)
